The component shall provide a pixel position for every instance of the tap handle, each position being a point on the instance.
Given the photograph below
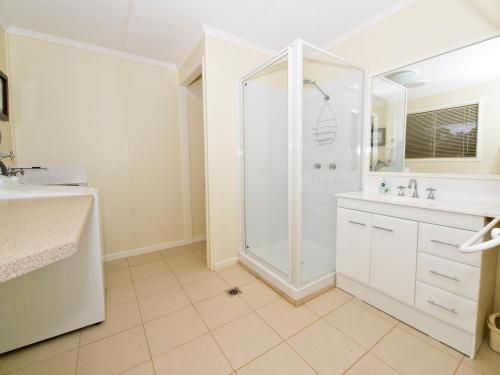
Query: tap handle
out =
(10, 155)
(430, 193)
(401, 192)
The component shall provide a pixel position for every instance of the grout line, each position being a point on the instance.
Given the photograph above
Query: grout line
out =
(203, 321)
(143, 328)
(428, 343)
(35, 344)
(369, 350)
(78, 351)
(458, 366)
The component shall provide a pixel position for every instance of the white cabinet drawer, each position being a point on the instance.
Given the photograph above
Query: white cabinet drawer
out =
(394, 257)
(353, 244)
(445, 241)
(454, 277)
(450, 308)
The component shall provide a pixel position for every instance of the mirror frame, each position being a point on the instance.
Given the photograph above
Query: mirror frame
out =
(366, 142)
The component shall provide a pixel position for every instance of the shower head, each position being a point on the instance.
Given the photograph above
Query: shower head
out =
(309, 81)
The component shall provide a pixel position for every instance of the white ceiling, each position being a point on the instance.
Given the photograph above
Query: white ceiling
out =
(473, 65)
(166, 30)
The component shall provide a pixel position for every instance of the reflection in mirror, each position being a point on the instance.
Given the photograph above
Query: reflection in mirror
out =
(440, 115)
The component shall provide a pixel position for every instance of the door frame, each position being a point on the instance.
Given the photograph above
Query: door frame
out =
(198, 70)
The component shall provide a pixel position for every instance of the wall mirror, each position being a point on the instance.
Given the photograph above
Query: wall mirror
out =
(440, 115)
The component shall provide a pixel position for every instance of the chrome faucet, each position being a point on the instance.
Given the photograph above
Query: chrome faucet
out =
(413, 184)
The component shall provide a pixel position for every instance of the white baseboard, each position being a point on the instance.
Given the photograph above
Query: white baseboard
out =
(224, 263)
(199, 238)
(145, 250)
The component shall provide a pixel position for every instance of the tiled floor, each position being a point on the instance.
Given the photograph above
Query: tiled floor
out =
(167, 314)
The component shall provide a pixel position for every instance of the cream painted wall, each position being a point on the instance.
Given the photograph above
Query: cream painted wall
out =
(5, 126)
(194, 104)
(226, 64)
(420, 31)
(117, 117)
(489, 162)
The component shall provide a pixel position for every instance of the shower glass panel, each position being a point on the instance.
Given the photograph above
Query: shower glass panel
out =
(388, 124)
(265, 142)
(332, 107)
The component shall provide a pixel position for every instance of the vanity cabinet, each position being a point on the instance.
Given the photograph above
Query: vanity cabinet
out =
(406, 261)
(394, 257)
(353, 244)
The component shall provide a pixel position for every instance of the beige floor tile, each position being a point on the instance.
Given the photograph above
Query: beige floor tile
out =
(144, 258)
(221, 309)
(464, 369)
(430, 340)
(359, 324)
(235, 275)
(183, 261)
(176, 251)
(38, 352)
(285, 318)
(63, 364)
(113, 354)
(257, 294)
(328, 301)
(375, 311)
(118, 318)
(410, 355)
(116, 295)
(245, 339)
(148, 269)
(172, 330)
(200, 356)
(192, 273)
(206, 287)
(326, 349)
(163, 303)
(370, 364)
(114, 265)
(201, 245)
(156, 283)
(487, 361)
(201, 253)
(118, 277)
(281, 360)
(145, 368)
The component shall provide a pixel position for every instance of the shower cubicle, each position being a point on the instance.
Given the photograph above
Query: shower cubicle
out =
(300, 144)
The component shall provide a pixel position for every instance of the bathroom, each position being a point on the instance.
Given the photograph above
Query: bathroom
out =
(233, 170)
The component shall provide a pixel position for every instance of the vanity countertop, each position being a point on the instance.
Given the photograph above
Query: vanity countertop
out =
(484, 209)
(36, 232)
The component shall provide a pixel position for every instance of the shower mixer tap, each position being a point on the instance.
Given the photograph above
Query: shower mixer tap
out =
(317, 166)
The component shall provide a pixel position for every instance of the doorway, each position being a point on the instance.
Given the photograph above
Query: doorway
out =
(194, 154)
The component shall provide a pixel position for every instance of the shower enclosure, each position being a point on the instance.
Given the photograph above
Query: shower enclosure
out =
(300, 144)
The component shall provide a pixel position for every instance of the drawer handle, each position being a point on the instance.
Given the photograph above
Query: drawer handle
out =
(434, 272)
(434, 303)
(445, 243)
(382, 228)
(356, 222)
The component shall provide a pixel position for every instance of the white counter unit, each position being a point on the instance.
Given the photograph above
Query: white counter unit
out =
(402, 257)
(52, 277)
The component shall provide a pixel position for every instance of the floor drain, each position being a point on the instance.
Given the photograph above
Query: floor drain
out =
(233, 292)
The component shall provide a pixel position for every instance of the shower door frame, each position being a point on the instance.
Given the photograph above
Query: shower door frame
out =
(291, 284)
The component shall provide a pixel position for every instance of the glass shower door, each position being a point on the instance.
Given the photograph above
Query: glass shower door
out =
(266, 182)
(332, 108)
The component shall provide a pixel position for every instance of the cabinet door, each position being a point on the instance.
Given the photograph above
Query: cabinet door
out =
(353, 244)
(394, 257)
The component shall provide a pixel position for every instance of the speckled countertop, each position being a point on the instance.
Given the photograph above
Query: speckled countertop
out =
(37, 232)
